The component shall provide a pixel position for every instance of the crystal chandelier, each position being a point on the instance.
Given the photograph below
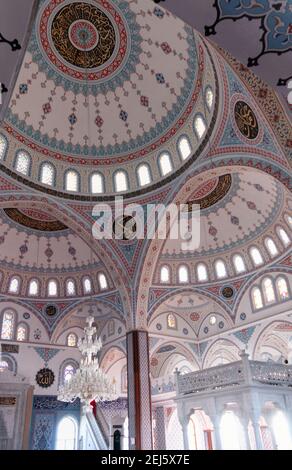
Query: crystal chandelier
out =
(89, 381)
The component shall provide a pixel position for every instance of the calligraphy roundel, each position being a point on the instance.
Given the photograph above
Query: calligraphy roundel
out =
(45, 378)
(246, 120)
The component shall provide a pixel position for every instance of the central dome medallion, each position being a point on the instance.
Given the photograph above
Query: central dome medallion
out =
(83, 35)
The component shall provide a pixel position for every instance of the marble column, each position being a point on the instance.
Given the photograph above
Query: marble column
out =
(139, 391)
(185, 425)
(216, 433)
(257, 431)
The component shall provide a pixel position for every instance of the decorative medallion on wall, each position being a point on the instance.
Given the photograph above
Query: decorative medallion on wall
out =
(246, 120)
(45, 378)
(211, 192)
(83, 35)
(227, 292)
(51, 310)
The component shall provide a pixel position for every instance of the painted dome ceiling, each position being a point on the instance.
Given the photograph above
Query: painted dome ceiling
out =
(238, 210)
(105, 84)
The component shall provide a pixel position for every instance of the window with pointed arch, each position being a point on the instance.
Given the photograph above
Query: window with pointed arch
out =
(284, 237)
(23, 163)
(165, 274)
(87, 285)
(271, 247)
(165, 164)
(282, 288)
(22, 332)
(268, 290)
(70, 287)
(256, 256)
(111, 328)
(72, 340)
(124, 379)
(52, 288)
(102, 281)
(97, 183)
(14, 285)
(257, 299)
(8, 324)
(47, 174)
(144, 175)
(120, 181)
(220, 269)
(184, 147)
(171, 322)
(200, 126)
(66, 438)
(209, 97)
(183, 274)
(33, 288)
(239, 264)
(3, 146)
(202, 273)
(72, 181)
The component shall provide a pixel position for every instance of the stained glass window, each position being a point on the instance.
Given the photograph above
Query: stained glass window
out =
(200, 126)
(239, 264)
(52, 288)
(256, 256)
(269, 290)
(284, 237)
(120, 181)
(33, 288)
(96, 183)
(14, 285)
(72, 340)
(71, 181)
(183, 274)
(184, 147)
(272, 249)
(282, 288)
(7, 325)
(47, 174)
(102, 281)
(21, 334)
(171, 321)
(70, 287)
(22, 164)
(87, 285)
(220, 269)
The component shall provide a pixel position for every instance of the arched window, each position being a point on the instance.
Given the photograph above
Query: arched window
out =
(124, 380)
(33, 287)
(21, 334)
(183, 274)
(96, 183)
(271, 247)
(171, 322)
(102, 281)
(111, 328)
(120, 181)
(238, 263)
(165, 164)
(209, 95)
(3, 146)
(202, 272)
(257, 299)
(256, 256)
(164, 274)
(52, 288)
(70, 287)
(47, 175)
(87, 285)
(284, 237)
(282, 288)
(22, 162)
(72, 181)
(8, 321)
(14, 285)
(144, 176)
(68, 372)
(220, 269)
(200, 126)
(184, 148)
(288, 219)
(268, 290)
(72, 340)
(66, 434)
